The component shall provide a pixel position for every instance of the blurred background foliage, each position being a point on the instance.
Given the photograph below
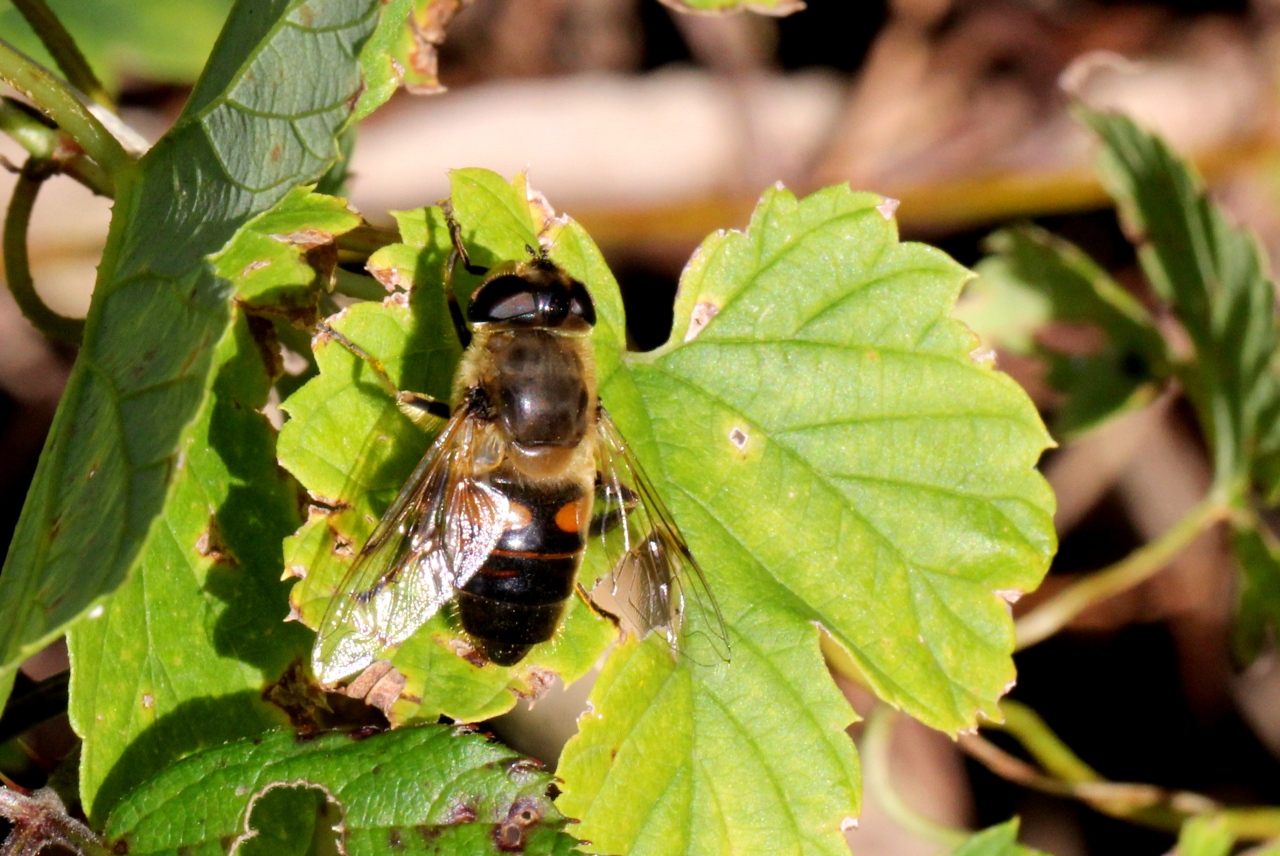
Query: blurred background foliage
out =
(654, 128)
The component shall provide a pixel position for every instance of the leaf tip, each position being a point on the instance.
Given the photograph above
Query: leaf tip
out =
(888, 207)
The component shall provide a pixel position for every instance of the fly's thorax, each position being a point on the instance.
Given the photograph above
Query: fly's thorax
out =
(541, 393)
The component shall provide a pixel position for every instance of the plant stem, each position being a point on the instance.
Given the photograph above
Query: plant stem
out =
(16, 266)
(63, 49)
(41, 140)
(1066, 775)
(876, 743)
(58, 102)
(1140, 565)
(40, 819)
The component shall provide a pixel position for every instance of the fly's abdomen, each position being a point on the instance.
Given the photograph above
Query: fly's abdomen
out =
(518, 596)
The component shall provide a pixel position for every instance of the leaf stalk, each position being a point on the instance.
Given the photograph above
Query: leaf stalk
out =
(65, 109)
(1058, 611)
(876, 743)
(1066, 775)
(62, 47)
(17, 266)
(43, 140)
(40, 819)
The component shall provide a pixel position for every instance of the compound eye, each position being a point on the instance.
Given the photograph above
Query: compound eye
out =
(580, 303)
(506, 298)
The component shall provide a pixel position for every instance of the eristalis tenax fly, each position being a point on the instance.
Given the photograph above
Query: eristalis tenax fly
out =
(527, 467)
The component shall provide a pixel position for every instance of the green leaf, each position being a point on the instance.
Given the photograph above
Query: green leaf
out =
(261, 120)
(415, 790)
(999, 840)
(1033, 278)
(352, 449)
(404, 50)
(1214, 276)
(155, 40)
(1205, 836)
(838, 460)
(1258, 598)
(178, 657)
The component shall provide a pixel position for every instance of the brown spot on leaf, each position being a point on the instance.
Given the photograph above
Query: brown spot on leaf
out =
(394, 841)
(463, 812)
(256, 265)
(211, 545)
(392, 278)
(469, 652)
(699, 318)
(121, 846)
(510, 834)
(540, 680)
(342, 545)
(428, 25)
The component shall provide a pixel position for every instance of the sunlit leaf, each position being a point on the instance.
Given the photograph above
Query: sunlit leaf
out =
(836, 458)
(416, 790)
(352, 449)
(828, 376)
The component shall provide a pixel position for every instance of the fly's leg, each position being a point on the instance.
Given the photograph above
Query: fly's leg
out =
(425, 411)
(458, 254)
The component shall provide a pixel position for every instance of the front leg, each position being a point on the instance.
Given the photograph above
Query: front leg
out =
(424, 411)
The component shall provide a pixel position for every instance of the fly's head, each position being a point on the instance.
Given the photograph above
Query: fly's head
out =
(535, 294)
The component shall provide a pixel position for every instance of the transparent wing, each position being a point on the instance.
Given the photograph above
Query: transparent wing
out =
(434, 537)
(656, 582)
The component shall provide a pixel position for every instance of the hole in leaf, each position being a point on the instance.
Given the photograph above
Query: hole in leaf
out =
(286, 820)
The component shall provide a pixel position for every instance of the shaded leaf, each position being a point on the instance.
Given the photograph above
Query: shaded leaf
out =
(177, 658)
(999, 840)
(415, 790)
(1258, 598)
(836, 458)
(1033, 278)
(1212, 273)
(261, 120)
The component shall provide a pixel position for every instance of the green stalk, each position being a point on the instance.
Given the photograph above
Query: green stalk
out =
(1140, 565)
(1066, 775)
(39, 820)
(16, 265)
(876, 741)
(63, 49)
(45, 142)
(68, 113)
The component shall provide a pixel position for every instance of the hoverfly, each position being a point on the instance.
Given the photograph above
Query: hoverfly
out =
(496, 517)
